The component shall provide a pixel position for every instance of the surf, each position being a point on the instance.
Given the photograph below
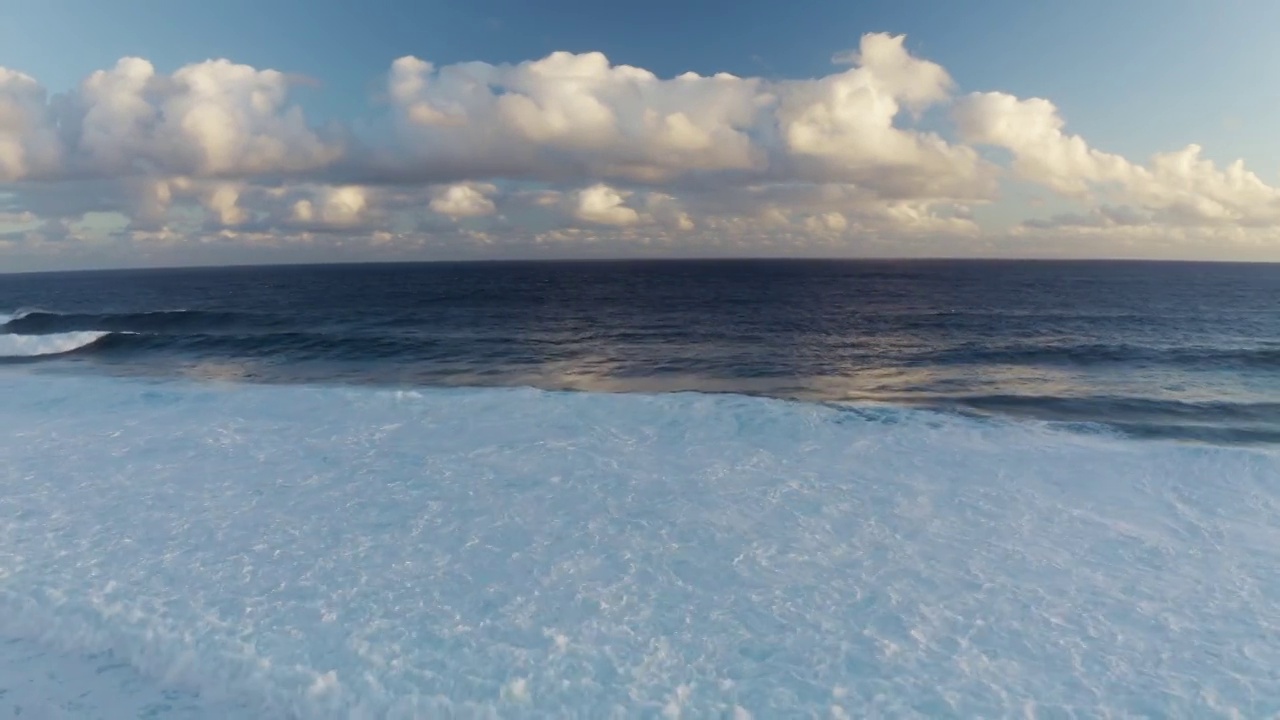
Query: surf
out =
(331, 552)
(28, 346)
(40, 322)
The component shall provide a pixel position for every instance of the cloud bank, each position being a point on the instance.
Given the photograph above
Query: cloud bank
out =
(882, 155)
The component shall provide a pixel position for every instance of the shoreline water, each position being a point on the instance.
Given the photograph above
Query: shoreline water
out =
(508, 551)
(40, 682)
(1194, 421)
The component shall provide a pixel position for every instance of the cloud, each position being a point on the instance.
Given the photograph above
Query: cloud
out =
(842, 128)
(668, 211)
(826, 222)
(572, 117)
(28, 142)
(571, 147)
(1101, 217)
(209, 119)
(604, 205)
(569, 115)
(464, 200)
(1178, 188)
(1032, 130)
(566, 119)
(26, 217)
(777, 207)
(617, 145)
(222, 201)
(332, 207)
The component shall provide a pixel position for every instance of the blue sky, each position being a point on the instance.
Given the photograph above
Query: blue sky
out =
(1133, 79)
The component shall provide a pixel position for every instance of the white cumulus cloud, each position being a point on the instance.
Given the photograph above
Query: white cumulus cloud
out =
(29, 144)
(1173, 188)
(213, 118)
(464, 200)
(842, 127)
(604, 205)
(577, 116)
(332, 207)
(570, 114)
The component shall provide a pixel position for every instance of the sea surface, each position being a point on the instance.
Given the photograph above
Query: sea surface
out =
(671, 489)
(1179, 350)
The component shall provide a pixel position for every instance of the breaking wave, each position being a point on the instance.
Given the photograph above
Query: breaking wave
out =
(40, 322)
(311, 552)
(1161, 386)
(27, 346)
(1093, 354)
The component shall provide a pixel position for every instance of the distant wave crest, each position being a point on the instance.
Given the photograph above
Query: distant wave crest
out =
(40, 322)
(18, 346)
(1094, 354)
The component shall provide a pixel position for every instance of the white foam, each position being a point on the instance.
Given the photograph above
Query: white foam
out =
(43, 684)
(334, 553)
(53, 344)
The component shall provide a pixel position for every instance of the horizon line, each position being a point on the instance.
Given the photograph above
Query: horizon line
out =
(635, 260)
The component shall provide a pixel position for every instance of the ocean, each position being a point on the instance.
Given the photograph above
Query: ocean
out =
(1186, 351)
(642, 489)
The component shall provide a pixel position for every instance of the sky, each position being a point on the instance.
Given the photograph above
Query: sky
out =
(137, 133)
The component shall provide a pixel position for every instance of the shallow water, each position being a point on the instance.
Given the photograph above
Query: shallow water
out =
(320, 552)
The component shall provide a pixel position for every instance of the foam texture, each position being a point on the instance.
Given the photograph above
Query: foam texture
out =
(12, 345)
(305, 552)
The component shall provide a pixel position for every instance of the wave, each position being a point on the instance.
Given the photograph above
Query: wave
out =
(294, 345)
(41, 322)
(6, 318)
(1137, 417)
(264, 334)
(359, 346)
(1093, 354)
(1125, 407)
(303, 357)
(25, 346)
(353, 552)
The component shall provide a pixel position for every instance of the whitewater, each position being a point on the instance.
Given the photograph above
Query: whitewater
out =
(172, 548)
(15, 345)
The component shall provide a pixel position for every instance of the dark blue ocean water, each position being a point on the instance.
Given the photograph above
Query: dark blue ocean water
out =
(1170, 350)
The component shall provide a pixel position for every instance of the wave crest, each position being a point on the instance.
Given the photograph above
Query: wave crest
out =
(16, 346)
(41, 322)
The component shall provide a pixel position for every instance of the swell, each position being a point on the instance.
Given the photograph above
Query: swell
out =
(1216, 422)
(143, 332)
(285, 345)
(365, 349)
(260, 332)
(39, 322)
(1101, 354)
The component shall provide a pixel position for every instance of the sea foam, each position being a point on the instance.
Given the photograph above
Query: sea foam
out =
(12, 346)
(360, 553)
